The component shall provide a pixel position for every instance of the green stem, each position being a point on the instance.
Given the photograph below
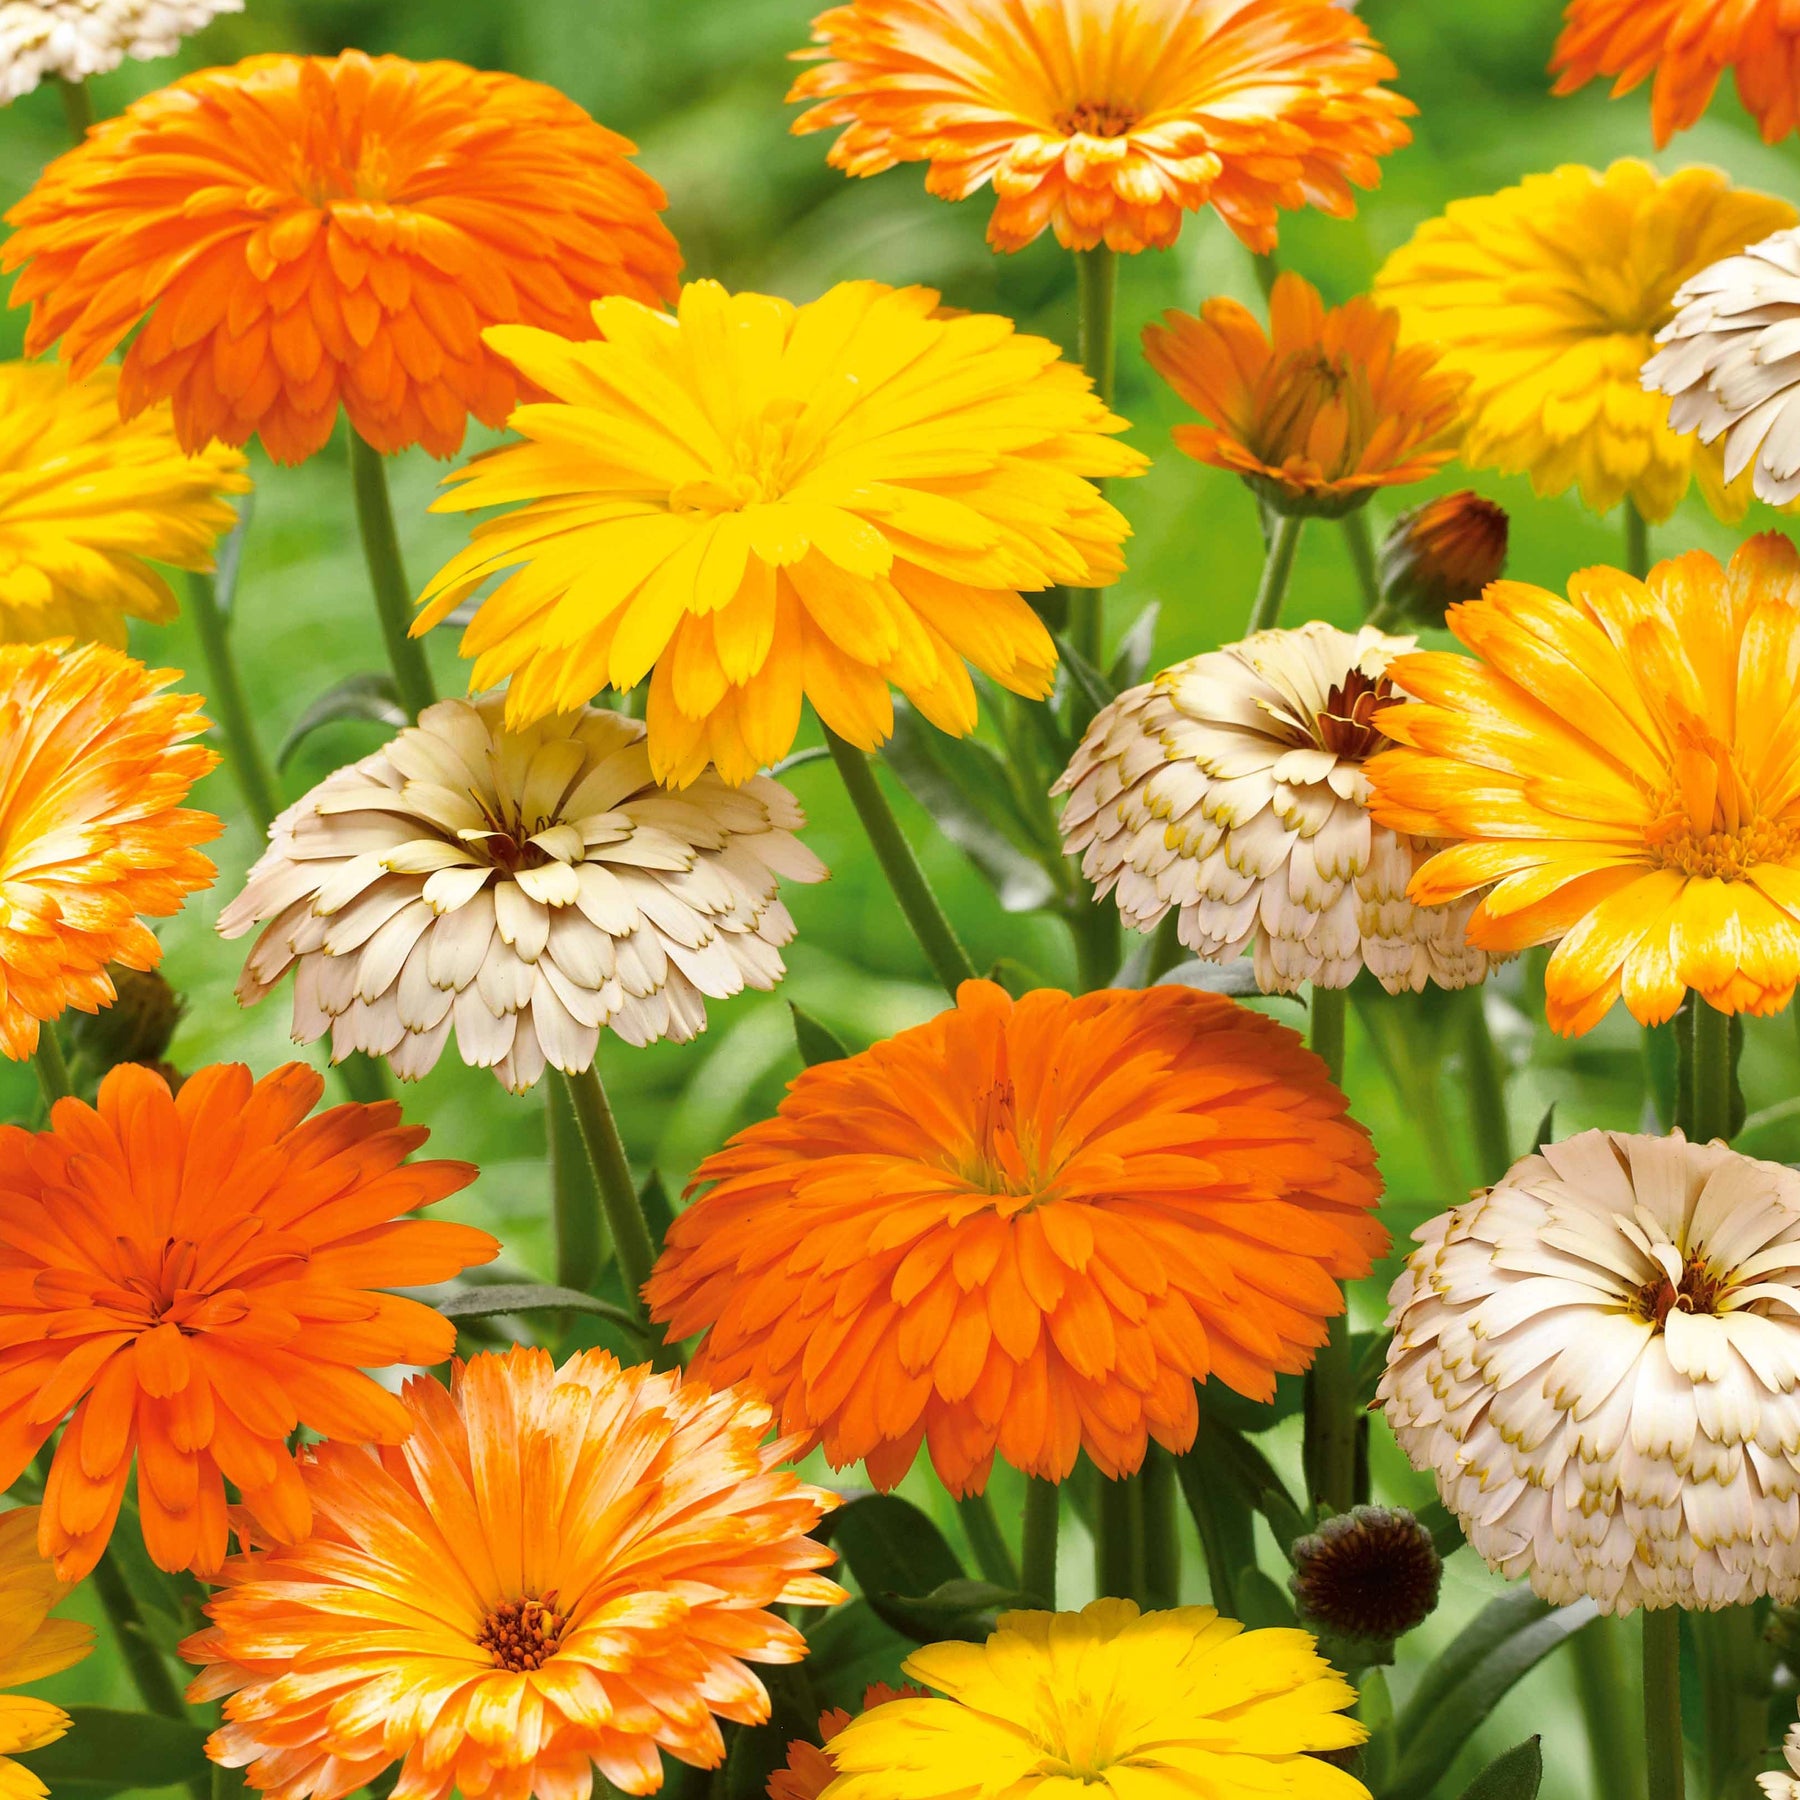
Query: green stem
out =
(1360, 541)
(937, 937)
(1703, 1048)
(992, 1556)
(1485, 1076)
(1097, 284)
(1098, 935)
(618, 1193)
(1637, 541)
(1331, 1422)
(78, 107)
(575, 1202)
(1119, 1539)
(1166, 948)
(387, 575)
(1278, 569)
(364, 1078)
(1043, 1515)
(1662, 1703)
(1603, 1687)
(143, 1660)
(1162, 1538)
(52, 1066)
(225, 695)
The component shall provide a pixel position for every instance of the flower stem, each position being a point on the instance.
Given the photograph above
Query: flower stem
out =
(1043, 1515)
(149, 1673)
(1097, 284)
(1119, 1539)
(1278, 569)
(1359, 540)
(1662, 1703)
(78, 107)
(1603, 1687)
(52, 1066)
(1331, 1423)
(364, 1078)
(387, 575)
(937, 937)
(618, 1193)
(574, 1199)
(225, 695)
(1485, 1075)
(1162, 1538)
(1704, 1044)
(992, 1556)
(1637, 541)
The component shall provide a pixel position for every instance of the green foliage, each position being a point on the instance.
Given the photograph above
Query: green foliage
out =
(1515, 1776)
(107, 1752)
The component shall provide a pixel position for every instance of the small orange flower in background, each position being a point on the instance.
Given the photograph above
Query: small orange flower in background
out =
(809, 1771)
(1624, 768)
(1317, 412)
(1107, 120)
(299, 233)
(94, 764)
(187, 1278)
(560, 1570)
(1028, 1228)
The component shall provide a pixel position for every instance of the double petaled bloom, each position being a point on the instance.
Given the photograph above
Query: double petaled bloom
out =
(69, 40)
(32, 1646)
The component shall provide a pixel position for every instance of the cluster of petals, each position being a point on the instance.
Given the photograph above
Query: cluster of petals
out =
(560, 1572)
(809, 1770)
(521, 890)
(1109, 120)
(70, 40)
(32, 1646)
(1784, 1784)
(1232, 788)
(187, 1278)
(1028, 1228)
(299, 234)
(1599, 1360)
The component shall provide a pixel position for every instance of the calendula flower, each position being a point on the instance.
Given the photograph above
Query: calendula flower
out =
(521, 889)
(1370, 1575)
(69, 40)
(754, 502)
(1232, 788)
(560, 1571)
(89, 502)
(1028, 1228)
(1596, 1360)
(1122, 1704)
(1437, 555)
(1784, 1784)
(34, 1645)
(1317, 412)
(1687, 47)
(95, 761)
(1548, 296)
(1619, 776)
(187, 1278)
(808, 1771)
(1107, 120)
(297, 234)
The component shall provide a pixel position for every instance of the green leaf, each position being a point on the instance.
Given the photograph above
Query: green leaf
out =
(798, 759)
(1376, 1710)
(1131, 663)
(659, 1215)
(1546, 1128)
(1515, 1776)
(1261, 1601)
(525, 1297)
(893, 1550)
(818, 1043)
(849, 1648)
(1018, 980)
(108, 1752)
(230, 559)
(368, 696)
(1090, 688)
(961, 1608)
(758, 1751)
(1234, 979)
(1445, 1528)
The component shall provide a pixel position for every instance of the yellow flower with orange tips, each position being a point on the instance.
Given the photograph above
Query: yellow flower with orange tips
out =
(754, 502)
(32, 1646)
(1620, 772)
(1109, 120)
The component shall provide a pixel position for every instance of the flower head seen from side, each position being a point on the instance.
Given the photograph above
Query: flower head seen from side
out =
(754, 502)
(89, 502)
(70, 40)
(95, 761)
(185, 1279)
(1120, 1704)
(520, 889)
(302, 234)
(1596, 1360)
(1107, 121)
(1027, 1229)
(809, 1771)
(32, 1646)
(1548, 297)
(1617, 774)
(1440, 554)
(1318, 411)
(561, 1570)
(1232, 788)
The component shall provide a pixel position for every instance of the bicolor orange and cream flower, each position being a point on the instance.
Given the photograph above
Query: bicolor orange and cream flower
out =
(754, 503)
(1027, 1229)
(95, 761)
(561, 1571)
(1108, 120)
(187, 1278)
(1620, 772)
(32, 1646)
(297, 234)
(1318, 411)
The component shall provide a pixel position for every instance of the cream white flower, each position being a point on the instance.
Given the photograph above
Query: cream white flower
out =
(74, 39)
(522, 889)
(1784, 1784)
(1232, 787)
(1599, 1360)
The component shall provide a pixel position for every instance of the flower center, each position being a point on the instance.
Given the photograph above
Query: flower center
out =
(1315, 407)
(757, 467)
(1345, 725)
(1698, 1291)
(1097, 118)
(1708, 823)
(523, 1634)
(326, 169)
(1003, 1159)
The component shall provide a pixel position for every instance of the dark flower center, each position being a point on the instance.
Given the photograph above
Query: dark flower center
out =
(1346, 723)
(1097, 118)
(523, 1634)
(1697, 1292)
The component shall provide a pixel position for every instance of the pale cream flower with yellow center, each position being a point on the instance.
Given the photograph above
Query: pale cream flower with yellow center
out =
(1784, 1784)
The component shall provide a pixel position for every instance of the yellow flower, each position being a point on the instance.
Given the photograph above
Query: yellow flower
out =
(1549, 296)
(87, 503)
(1123, 1706)
(759, 501)
(32, 1645)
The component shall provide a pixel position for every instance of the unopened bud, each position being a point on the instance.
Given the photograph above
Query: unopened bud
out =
(1440, 554)
(1370, 1575)
(136, 1028)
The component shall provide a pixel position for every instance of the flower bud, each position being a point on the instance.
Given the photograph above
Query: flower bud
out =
(1370, 1575)
(136, 1028)
(1440, 554)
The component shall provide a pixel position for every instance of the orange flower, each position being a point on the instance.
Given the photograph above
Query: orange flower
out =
(188, 1278)
(1687, 45)
(94, 764)
(809, 1771)
(299, 232)
(1316, 413)
(1028, 1228)
(559, 1571)
(1108, 119)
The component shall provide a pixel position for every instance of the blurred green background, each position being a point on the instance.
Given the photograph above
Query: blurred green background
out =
(698, 84)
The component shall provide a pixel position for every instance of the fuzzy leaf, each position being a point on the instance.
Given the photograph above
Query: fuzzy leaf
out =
(367, 695)
(1515, 1776)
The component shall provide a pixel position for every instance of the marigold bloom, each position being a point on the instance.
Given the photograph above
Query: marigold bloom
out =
(808, 1771)
(1232, 788)
(558, 1571)
(69, 40)
(1596, 1359)
(1784, 1784)
(1317, 412)
(1028, 1228)
(1107, 120)
(1623, 767)
(1548, 296)
(299, 233)
(759, 501)
(1442, 553)
(523, 889)
(1126, 1706)
(92, 831)
(187, 1278)
(32, 1645)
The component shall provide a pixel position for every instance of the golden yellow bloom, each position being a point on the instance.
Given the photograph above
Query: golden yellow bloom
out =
(88, 502)
(1549, 296)
(32, 1645)
(759, 501)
